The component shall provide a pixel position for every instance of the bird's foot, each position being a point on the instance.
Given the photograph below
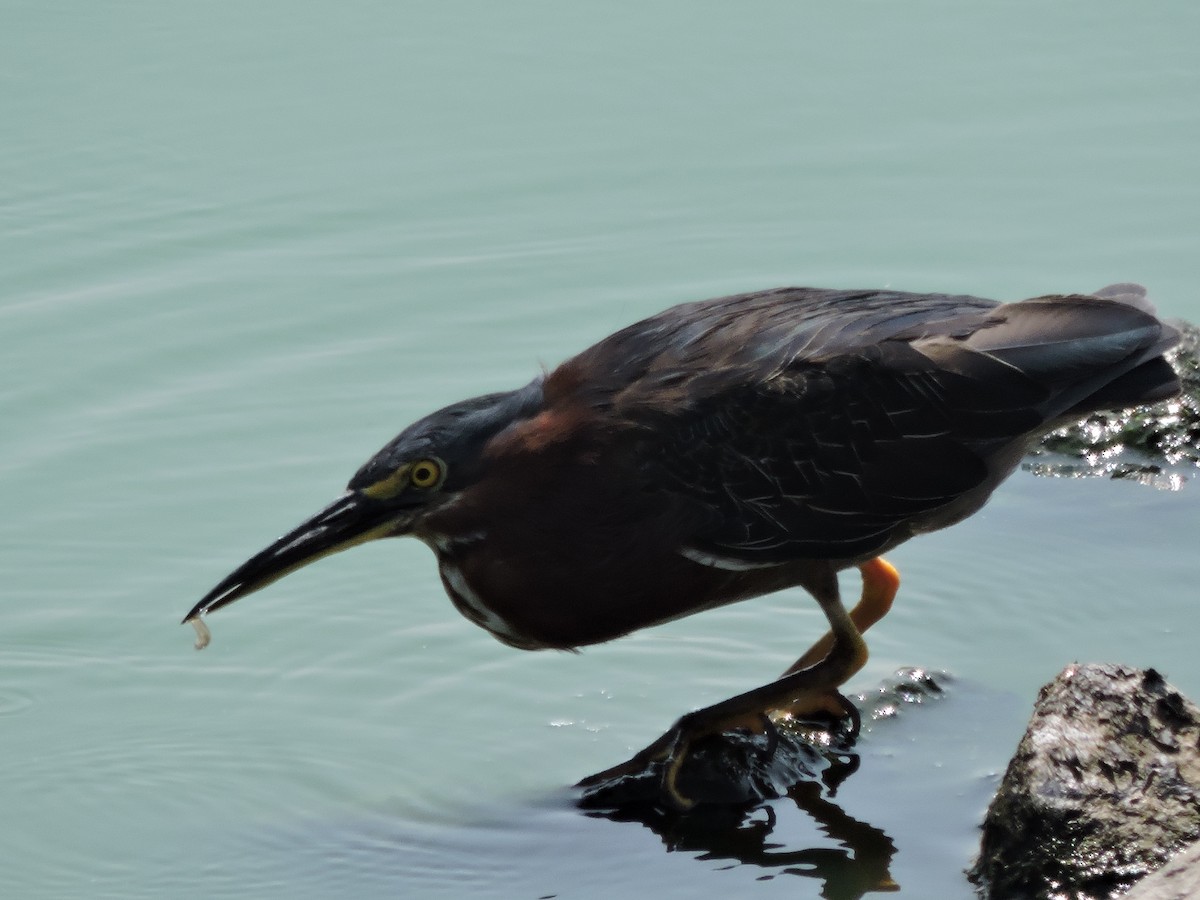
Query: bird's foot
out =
(666, 755)
(662, 761)
(830, 703)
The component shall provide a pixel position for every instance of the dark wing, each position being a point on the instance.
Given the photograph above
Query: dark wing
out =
(836, 461)
(800, 424)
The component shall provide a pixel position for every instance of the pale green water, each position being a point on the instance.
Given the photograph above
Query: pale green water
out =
(243, 244)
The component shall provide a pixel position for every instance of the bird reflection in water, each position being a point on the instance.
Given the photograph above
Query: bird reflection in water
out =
(859, 864)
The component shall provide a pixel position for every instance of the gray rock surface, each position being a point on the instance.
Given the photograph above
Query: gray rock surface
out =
(1179, 879)
(1104, 788)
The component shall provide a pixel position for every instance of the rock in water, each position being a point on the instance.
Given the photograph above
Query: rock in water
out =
(740, 767)
(1104, 788)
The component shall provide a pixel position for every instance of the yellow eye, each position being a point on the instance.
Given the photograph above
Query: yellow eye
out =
(425, 473)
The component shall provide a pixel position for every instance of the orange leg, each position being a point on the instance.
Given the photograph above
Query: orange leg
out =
(880, 583)
(808, 686)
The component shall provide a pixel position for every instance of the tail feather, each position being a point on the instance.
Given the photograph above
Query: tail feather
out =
(1088, 352)
(1148, 383)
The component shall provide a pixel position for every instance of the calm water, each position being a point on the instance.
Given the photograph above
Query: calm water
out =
(243, 244)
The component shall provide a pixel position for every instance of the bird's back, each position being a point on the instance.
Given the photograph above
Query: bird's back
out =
(692, 351)
(689, 351)
(804, 423)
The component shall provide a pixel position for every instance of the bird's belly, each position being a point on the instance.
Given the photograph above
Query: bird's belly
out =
(528, 604)
(468, 602)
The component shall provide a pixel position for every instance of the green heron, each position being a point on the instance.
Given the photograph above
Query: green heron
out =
(730, 448)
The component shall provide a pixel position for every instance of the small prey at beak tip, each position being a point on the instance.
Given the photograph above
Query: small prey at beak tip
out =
(203, 635)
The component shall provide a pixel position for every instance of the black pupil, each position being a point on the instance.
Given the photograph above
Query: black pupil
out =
(424, 474)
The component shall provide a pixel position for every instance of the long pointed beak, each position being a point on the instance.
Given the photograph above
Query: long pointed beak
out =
(349, 520)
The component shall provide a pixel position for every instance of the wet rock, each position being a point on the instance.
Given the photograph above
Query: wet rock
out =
(742, 767)
(1157, 445)
(738, 767)
(1104, 788)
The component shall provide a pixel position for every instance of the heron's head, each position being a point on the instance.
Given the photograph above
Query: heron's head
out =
(421, 470)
